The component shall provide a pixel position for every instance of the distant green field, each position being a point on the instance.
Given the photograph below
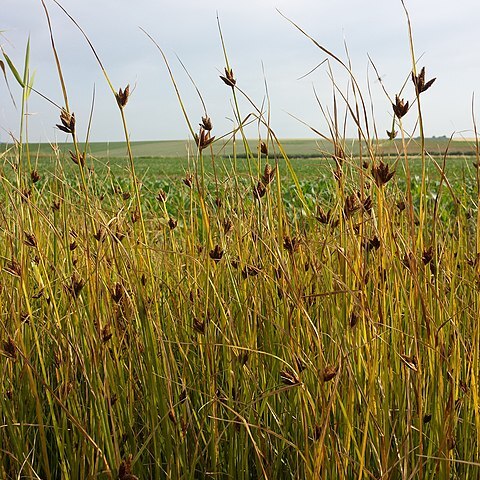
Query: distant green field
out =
(225, 147)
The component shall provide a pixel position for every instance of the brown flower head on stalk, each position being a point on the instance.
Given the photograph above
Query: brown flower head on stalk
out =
(34, 176)
(216, 254)
(292, 245)
(206, 123)
(419, 82)
(228, 79)
(172, 223)
(259, 191)
(263, 148)
(289, 378)
(351, 205)
(122, 96)
(188, 180)
(78, 160)
(400, 108)
(329, 373)
(162, 196)
(203, 140)
(268, 174)
(30, 239)
(392, 134)
(382, 174)
(125, 470)
(68, 122)
(9, 348)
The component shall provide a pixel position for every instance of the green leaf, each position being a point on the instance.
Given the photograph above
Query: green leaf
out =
(14, 70)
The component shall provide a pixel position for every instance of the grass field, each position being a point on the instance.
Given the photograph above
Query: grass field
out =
(287, 311)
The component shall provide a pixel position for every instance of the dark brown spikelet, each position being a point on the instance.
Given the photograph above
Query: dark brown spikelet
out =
(372, 244)
(427, 255)
(419, 82)
(427, 417)
(125, 470)
(292, 245)
(367, 204)
(288, 377)
(203, 139)
(351, 205)
(75, 286)
(259, 191)
(329, 373)
(206, 123)
(106, 333)
(126, 195)
(401, 205)
(172, 223)
(263, 148)
(216, 254)
(392, 134)
(68, 122)
(117, 292)
(34, 176)
(99, 235)
(227, 226)
(56, 206)
(228, 78)
(199, 326)
(77, 159)
(410, 361)
(250, 271)
(382, 174)
(9, 348)
(400, 108)
(268, 174)
(161, 196)
(122, 96)
(13, 268)
(188, 180)
(30, 239)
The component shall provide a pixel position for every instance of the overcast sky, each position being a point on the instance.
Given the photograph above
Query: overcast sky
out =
(262, 48)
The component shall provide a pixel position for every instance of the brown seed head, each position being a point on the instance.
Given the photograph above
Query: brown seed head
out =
(161, 196)
(263, 148)
(68, 122)
(400, 108)
(206, 123)
(292, 245)
(228, 79)
(30, 239)
(217, 253)
(34, 176)
(125, 470)
(9, 348)
(172, 223)
(188, 180)
(288, 377)
(259, 191)
(351, 205)
(391, 134)
(382, 174)
(77, 159)
(203, 140)
(419, 82)
(268, 174)
(122, 96)
(106, 333)
(329, 373)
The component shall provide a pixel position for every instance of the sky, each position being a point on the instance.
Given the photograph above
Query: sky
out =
(267, 54)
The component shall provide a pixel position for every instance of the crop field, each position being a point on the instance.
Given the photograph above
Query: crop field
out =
(240, 308)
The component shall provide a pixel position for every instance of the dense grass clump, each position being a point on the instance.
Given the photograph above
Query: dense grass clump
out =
(235, 320)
